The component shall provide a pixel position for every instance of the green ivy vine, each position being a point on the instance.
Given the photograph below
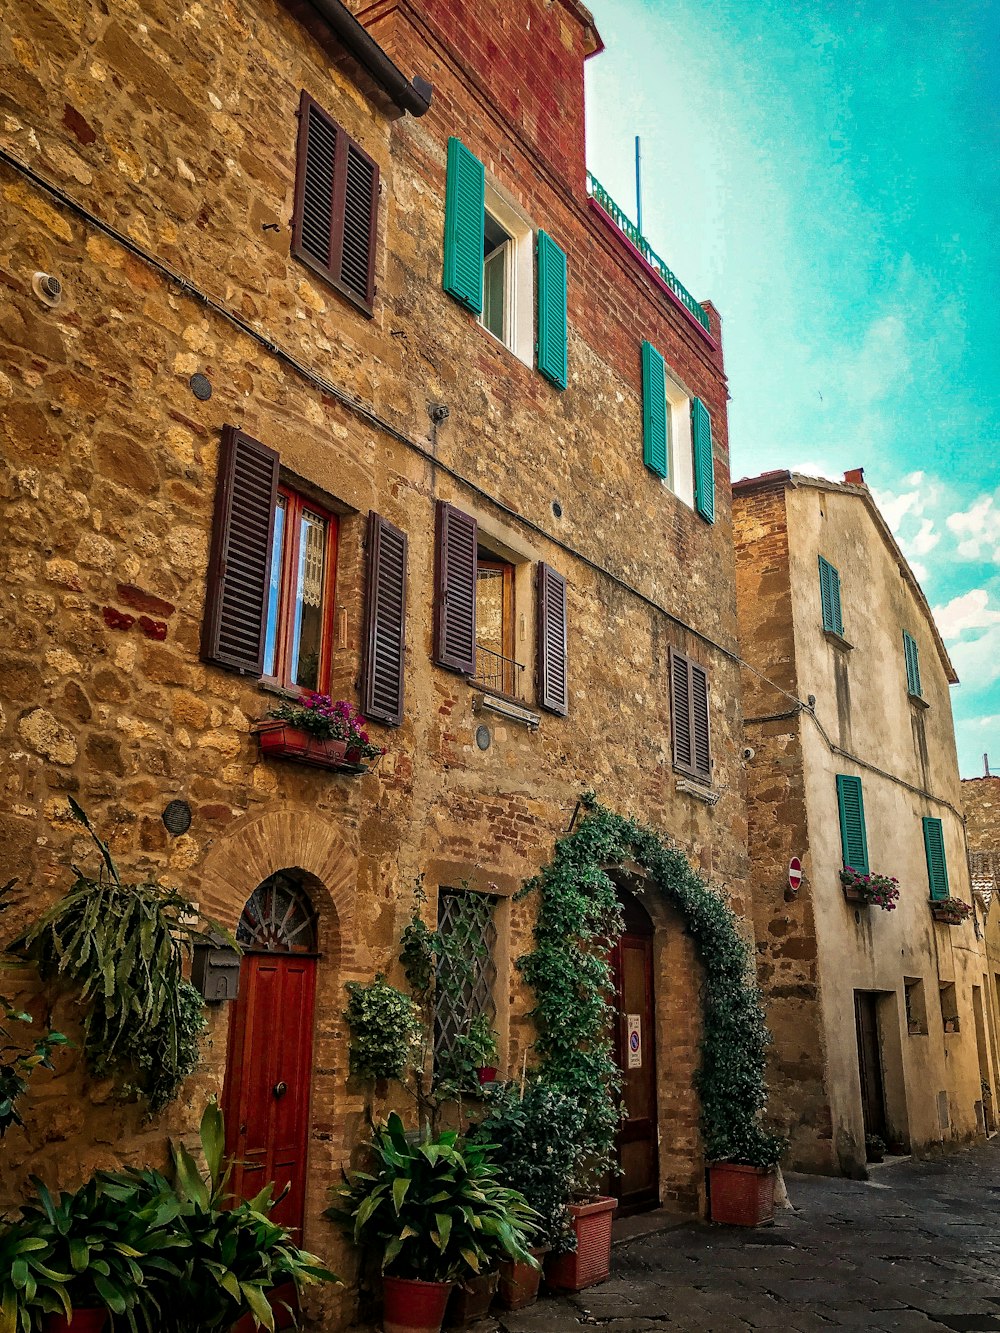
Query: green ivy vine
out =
(579, 919)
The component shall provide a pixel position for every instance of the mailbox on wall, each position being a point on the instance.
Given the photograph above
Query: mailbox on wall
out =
(215, 970)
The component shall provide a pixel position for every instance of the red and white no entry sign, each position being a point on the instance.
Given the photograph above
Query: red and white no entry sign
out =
(794, 873)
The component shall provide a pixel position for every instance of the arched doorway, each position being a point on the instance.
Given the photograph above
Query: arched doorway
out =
(269, 1066)
(638, 1184)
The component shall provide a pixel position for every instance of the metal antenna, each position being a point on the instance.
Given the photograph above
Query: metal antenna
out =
(638, 187)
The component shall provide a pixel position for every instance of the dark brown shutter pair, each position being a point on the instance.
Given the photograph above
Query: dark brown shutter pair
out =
(456, 565)
(335, 220)
(239, 573)
(689, 715)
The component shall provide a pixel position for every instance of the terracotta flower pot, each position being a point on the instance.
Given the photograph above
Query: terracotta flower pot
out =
(470, 1300)
(519, 1283)
(84, 1321)
(854, 895)
(741, 1196)
(411, 1306)
(591, 1261)
(487, 1075)
(283, 1300)
(280, 740)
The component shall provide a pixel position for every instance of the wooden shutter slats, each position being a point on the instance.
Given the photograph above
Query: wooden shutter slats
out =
(853, 834)
(704, 461)
(456, 537)
(829, 595)
(239, 569)
(382, 673)
(654, 411)
(937, 864)
(552, 311)
(689, 709)
(335, 220)
(464, 218)
(552, 641)
(911, 656)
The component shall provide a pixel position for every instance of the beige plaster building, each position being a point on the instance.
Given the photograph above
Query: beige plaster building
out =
(315, 376)
(882, 1020)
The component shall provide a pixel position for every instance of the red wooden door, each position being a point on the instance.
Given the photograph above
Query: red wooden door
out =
(637, 1186)
(266, 1095)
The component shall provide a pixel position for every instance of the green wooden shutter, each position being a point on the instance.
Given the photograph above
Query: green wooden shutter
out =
(551, 311)
(912, 665)
(464, 218)
(853, 836)
(937, 866)
(829, 592)
(654, 411)
(704, 463)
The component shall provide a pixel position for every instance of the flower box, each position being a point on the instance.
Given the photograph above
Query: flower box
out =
(591, 1261)
(950, 912)
(741, 1196)
(280, 740)
(854, 895)
(869, 889)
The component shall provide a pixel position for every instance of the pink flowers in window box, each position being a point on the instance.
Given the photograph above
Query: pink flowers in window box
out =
(315, 729)
(870, 890)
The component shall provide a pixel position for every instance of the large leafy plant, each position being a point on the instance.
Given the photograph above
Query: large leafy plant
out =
(385, 1029)
(534, 1134)
(433, 1209)
(122, 946)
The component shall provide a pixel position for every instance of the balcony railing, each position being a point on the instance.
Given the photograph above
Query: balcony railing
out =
(496, 672)
(625, 225)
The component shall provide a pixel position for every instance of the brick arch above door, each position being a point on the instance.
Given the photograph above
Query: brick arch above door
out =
(285, 837)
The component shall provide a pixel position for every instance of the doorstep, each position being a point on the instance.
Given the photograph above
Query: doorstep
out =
(634, 1227)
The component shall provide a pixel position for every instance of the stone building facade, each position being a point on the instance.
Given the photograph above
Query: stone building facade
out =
(981, 801)
(240, 369)
(880, 1018)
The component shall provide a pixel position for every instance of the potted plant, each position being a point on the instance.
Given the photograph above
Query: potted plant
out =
(436, 1213)
(952, 1024)
(534, 1130)
(874, 1148)
(950, 911)
(870, 890)
(314, 729)
(741, 1187)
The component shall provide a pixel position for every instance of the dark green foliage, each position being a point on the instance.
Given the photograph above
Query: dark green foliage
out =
(579, 918)
(122, 946)
(385, 1029)
(434, 1210)
(534, 1141)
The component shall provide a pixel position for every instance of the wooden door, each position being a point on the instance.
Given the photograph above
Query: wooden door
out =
(870, 1063)
(637, 1186)
(266, 1095)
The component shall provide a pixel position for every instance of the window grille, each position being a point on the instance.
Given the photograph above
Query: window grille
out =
(466, 967)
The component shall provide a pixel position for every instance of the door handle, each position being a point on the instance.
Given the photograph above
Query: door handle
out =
(280, 1089)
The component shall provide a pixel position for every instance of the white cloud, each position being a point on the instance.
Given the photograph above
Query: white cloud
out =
(918, 571)
(970, 611)
(977, 529)
(977, 661)
(812, 469)
(926, 539)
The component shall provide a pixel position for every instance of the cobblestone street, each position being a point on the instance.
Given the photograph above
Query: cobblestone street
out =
(915, 1248)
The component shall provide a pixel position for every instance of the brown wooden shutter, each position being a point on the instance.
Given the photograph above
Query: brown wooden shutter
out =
(385, 623)
(239, 567)
(455, 590)
(553, 684)
(689, 716)
(335, 218)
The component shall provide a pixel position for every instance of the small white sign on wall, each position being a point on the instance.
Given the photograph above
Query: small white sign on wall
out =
(634, 1022)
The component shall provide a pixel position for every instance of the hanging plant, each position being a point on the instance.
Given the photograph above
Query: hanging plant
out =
(385, 1029)
(579, 919)
(122, 946)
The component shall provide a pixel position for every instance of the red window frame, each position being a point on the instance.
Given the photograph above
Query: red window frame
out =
(295, 503)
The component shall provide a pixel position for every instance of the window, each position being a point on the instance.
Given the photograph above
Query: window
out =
(508, 276)
(668, 431)
(466, 967)
(300, 594)
(937, 864)
(912, 660)
(829, 596)
(496, 668)
(853, 834)
(949, 1007)
(498, 294)
(335, 216)
(689, 716)
(474, 614)
(916, 1006)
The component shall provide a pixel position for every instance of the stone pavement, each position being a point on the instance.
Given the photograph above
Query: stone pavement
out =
(915, 1248)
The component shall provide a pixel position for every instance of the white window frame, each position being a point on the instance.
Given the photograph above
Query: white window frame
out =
(519, 277)
(680, 444)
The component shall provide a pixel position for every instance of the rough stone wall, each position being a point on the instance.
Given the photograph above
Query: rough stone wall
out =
(177, 128)
(981, 802)
(777, 827)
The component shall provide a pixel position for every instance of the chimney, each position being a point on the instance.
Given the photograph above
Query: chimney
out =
(856, 477)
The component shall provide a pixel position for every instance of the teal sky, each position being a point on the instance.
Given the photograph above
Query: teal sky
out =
(827, 173)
